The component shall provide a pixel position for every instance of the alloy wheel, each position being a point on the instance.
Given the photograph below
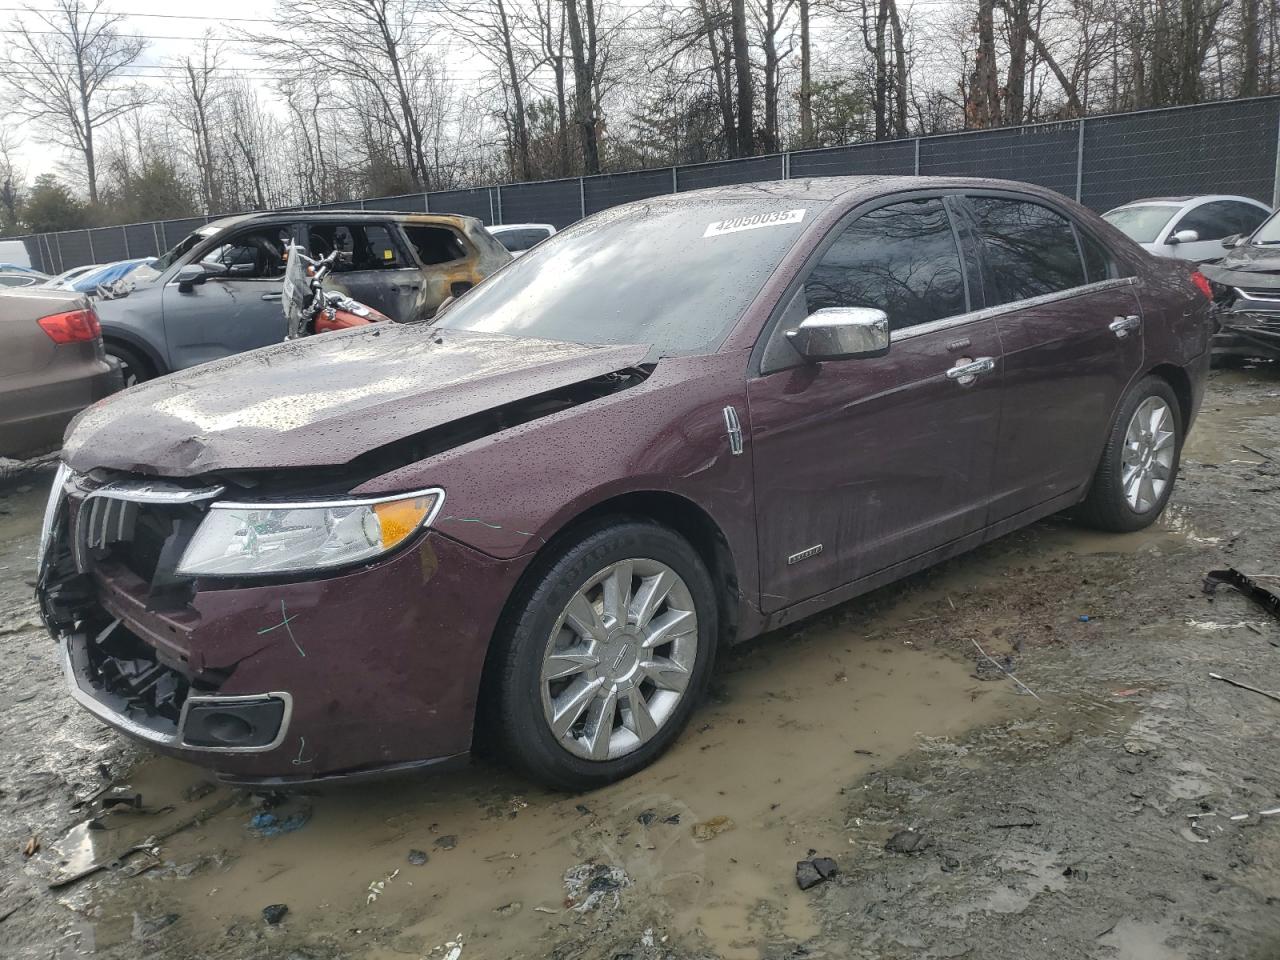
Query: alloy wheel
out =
(619, 659)
(1147, 461)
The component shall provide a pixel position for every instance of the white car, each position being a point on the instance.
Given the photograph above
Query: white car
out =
(1189, 228)
(519, 237)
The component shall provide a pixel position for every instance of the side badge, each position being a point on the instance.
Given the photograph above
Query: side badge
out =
(734, 428)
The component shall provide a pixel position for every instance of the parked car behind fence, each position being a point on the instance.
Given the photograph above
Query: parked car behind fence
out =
(1188, 228)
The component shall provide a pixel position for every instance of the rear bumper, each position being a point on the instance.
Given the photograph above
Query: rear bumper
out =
(363, 674)
(36, 416)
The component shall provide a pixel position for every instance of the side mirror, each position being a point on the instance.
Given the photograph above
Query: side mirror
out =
(842, 333)
(1184, 236)
(191, 276)
(1232, 241)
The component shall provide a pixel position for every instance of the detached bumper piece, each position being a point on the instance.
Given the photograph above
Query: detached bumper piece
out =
(119, 678)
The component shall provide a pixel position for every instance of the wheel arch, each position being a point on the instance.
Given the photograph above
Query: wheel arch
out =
(671, 510)
(1180, 382)
(131, 340)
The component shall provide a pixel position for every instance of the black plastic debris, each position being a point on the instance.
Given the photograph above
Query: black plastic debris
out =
(1232, 577)
(417, 857)
(908, 841)
(447, 842)
(646, 818)
(274, 913)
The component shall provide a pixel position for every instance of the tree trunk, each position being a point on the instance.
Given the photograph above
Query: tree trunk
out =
(742, 65)
(520, 140)
(770, 139)
(983, 106)
(806, 91)
(720, 67)
(1018, 13)
(900, 71)
(1249, 48)
(584, 109)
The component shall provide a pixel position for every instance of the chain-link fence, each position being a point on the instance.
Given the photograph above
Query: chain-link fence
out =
(1228, 147)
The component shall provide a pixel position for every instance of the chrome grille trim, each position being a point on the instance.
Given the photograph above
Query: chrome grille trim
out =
(107, 515)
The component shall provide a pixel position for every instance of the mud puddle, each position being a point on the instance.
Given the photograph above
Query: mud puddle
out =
(792, 720)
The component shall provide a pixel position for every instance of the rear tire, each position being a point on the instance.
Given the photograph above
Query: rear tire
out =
(134, 367)
(1139, 464)
(584, 696)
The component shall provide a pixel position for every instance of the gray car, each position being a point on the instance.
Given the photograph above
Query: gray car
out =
(218, 291)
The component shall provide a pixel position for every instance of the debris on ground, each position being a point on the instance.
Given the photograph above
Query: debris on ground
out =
(274, 913)
(417, 857)
(1007, 672)
(31, 847)
(1232, 577)
(591, 886)
(149, 927)
(713, 827)
(273, 823)
(447, 842)
(810, 873)
(1245, 686)
(908, 841)
(509, 909)
(378, 887)
(198, 791)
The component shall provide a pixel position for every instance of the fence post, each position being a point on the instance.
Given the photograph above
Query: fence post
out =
(57, 242)
(917, 168)
(491, 220)
(426, 202)
(675, 187)
(582, 197)
(1275, 181)
(155, 234)
(93, 257)
(124, 235)
(1079, 159)
(499, 189)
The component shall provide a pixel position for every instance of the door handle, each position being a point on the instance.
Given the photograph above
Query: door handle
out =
(1121, 326)
(967, 371)
(271, 296)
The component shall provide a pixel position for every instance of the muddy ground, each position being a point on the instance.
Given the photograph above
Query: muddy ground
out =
(1115, 813)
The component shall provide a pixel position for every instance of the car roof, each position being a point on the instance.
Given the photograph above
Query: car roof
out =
(1190, 201)
(292, 216)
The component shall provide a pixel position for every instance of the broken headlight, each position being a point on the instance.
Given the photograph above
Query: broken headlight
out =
(255, 539)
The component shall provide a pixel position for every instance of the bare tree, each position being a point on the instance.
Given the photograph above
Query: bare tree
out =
(742, 68)
(64, 72)
(191, 103)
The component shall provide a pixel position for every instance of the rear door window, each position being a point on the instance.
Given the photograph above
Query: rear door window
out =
(901, 258)
(1030, 250)
(360, 246)
(256, 254)
(1098, 262)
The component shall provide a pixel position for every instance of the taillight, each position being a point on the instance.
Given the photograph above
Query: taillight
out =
(74, 326)
(1202, 284)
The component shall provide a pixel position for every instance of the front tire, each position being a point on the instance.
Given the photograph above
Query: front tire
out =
(604, 655)
(1139, 464)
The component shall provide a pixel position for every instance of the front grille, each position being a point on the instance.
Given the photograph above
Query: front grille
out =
(125, 671)
(144, 525)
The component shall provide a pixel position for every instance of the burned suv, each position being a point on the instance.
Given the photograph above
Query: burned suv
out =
(218, 291)
(681, 422)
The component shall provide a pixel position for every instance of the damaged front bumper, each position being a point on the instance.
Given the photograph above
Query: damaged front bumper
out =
(359, 673)
(1248, 322)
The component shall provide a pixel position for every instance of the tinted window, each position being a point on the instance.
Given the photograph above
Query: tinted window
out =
(672, 274)
(1097, 259)
(901, 259)
(1247, 217)
(517, 240)
(1030, 249)
(1212, 221)
(1141, 223)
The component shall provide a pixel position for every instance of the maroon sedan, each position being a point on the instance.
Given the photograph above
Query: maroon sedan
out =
(678, 424)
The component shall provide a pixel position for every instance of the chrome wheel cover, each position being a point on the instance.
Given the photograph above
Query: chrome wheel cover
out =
(1146, 465)
(619, 659)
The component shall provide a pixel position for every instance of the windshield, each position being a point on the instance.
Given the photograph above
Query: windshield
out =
(1269, 232)
(675, 275)
(1141, 223)
(176, 253)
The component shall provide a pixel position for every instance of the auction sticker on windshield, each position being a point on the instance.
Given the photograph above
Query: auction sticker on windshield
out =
(776, 218)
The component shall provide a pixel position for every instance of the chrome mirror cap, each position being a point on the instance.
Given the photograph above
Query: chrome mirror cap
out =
(842, 333)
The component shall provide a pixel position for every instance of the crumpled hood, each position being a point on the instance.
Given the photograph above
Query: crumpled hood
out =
(1250, 260)
(323, 400)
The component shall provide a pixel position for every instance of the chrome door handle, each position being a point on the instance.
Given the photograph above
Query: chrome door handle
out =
(968, 371)
(1121, 326)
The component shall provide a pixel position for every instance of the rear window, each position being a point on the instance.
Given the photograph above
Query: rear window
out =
(1031, 250)
(1141, 223)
